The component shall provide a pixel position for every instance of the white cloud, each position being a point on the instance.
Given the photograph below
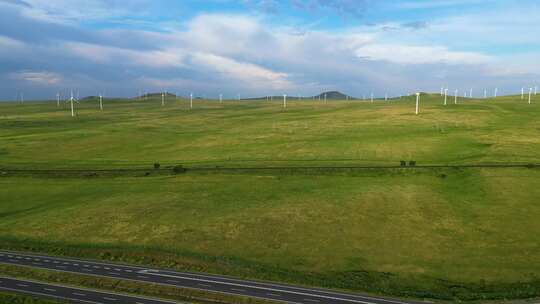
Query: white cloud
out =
(250, 74)
(404, 54)
(167, 58)
(6, 42)
(39, 78)
(73, 11)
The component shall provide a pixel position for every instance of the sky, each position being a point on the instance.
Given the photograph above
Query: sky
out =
(261, 47)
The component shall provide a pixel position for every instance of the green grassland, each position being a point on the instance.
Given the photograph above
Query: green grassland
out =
(447, 233)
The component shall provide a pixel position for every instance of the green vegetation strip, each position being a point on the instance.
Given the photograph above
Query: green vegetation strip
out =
(13, 298)
(124, 287)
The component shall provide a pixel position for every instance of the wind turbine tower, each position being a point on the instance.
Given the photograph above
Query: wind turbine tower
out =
(284, 100)
(71, 101)
(191, 100)
(101, 102)
(220, 98)
(57, 100)
(162, 99)
(455, 96)
(445, 96)
(417, 102)
(530, 94)
(496, 92)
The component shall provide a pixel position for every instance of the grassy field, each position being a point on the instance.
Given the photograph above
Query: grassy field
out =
(141, 132)
(441, 233)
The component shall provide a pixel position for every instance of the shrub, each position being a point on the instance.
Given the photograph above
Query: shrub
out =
(403, 163)
(412, 163)
(179, 169)
(157, 166)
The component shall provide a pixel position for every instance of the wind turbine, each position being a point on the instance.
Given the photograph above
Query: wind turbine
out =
(496, 91)
(284, 100)
(325, 98)
(442, 90)
(445, 96)
(535, 89)
(57, 100)
(485, 93)
(386, 97)
(371, 97)
(417, 102)
(530, 94)
(522, 93)
(470, 93)
(221, 98)
(100, 101)
(455, 96)
(162, 99)
(71, 100)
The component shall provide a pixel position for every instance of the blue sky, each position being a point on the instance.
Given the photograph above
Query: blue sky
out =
(259, 47)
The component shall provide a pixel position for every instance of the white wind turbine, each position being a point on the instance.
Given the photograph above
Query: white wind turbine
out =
(101, 101)
(417, 102)
(221, 98)
(191, 100)
(445, 96)
(496, 92)
(284, 100)
(522, 93)
(71, 100)
(530, 94)
(57, 100)
(162, 99)
(455, 96)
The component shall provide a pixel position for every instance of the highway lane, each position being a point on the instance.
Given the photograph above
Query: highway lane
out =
(211, 283)
(78, 295)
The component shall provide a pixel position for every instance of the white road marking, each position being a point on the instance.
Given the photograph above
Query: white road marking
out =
(79, 294)
(49, 289)
(205, 285)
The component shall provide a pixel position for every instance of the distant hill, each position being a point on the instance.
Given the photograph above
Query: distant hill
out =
(329, 95)
(150, 95)
(332, 95)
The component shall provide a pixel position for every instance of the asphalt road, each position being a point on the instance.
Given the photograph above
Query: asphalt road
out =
(211, 283)
(43, 290)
